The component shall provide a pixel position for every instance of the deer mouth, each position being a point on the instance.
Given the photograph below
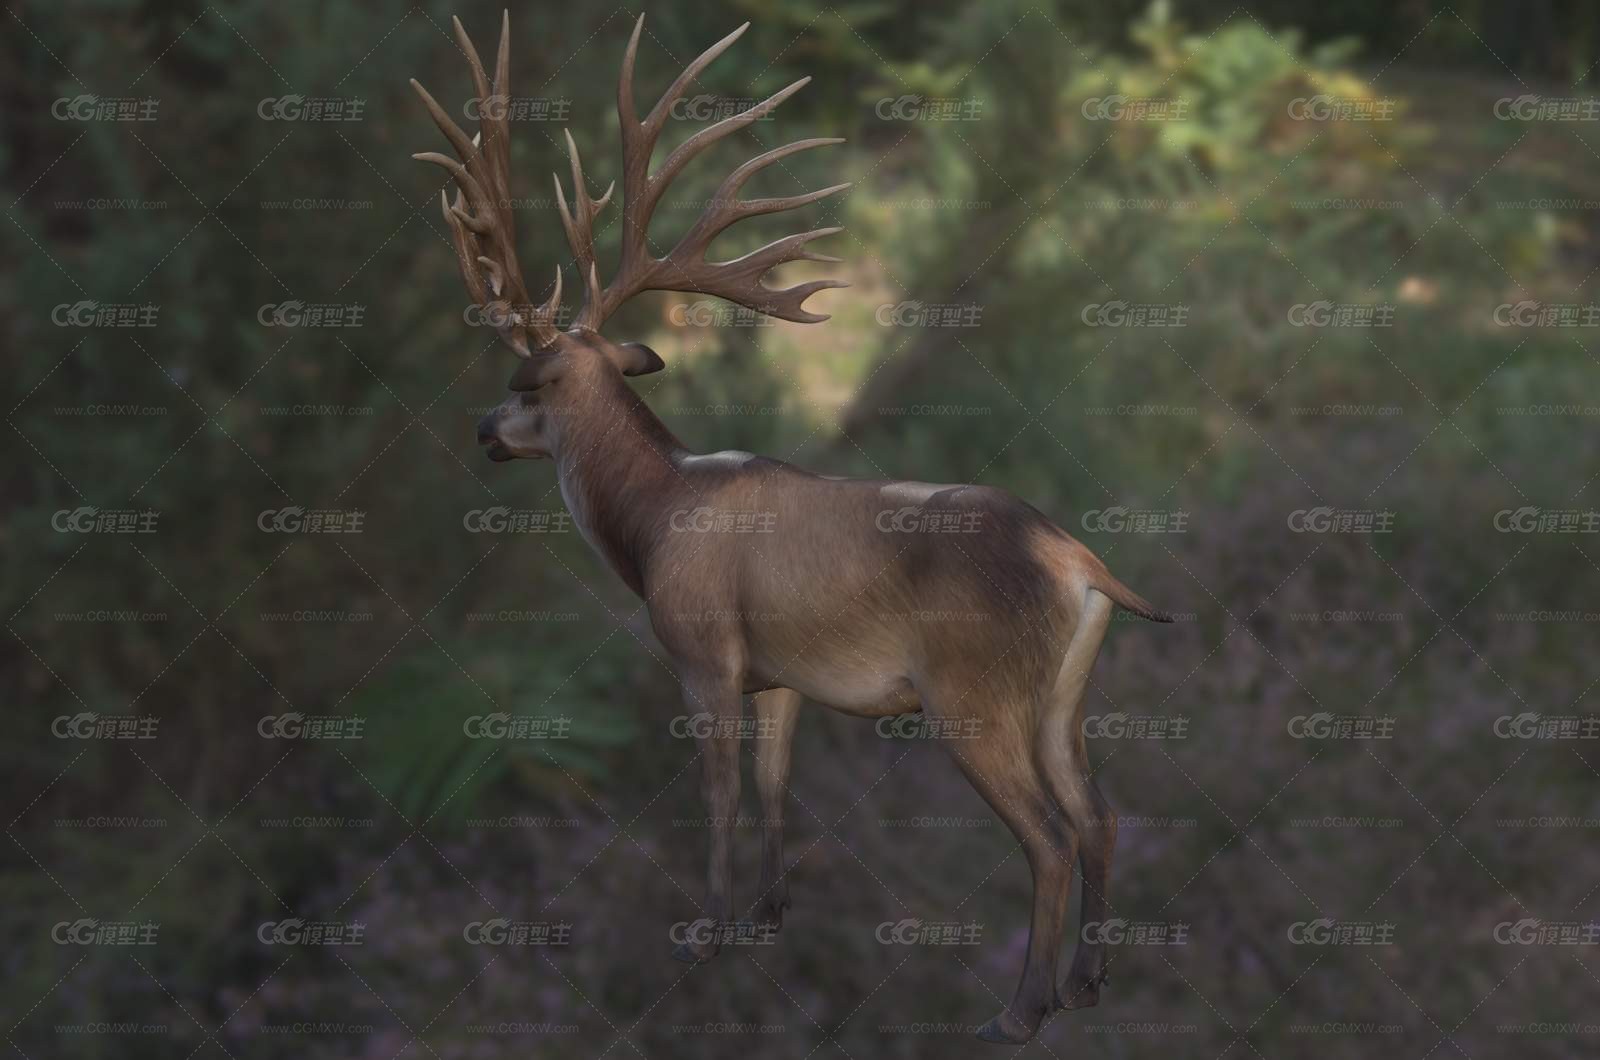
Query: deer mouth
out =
(496, 451)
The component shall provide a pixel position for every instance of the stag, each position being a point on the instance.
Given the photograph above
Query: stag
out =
(851, 597)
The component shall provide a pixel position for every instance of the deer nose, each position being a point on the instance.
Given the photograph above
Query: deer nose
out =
(486, 430)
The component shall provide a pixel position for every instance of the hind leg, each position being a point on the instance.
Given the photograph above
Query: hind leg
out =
(1000, 766)
(1081, 988)
(1064, 760)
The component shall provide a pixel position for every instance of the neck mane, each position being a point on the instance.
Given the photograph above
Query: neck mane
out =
(616, 462)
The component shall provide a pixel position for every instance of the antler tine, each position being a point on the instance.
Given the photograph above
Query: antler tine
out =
(727, 208)
(737, 178)
(466, 182)
(447, 125)
(553, 306)
(684, 268)
(483, 233)
(658, 113)
(594, 295)
(501, 120)
(739, 280)
(703, 139)
(578, 221)
(495, 147)
(466, 246)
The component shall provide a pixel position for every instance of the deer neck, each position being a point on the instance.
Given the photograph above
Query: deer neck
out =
(616, 464)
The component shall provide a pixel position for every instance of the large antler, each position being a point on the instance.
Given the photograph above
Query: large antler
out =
(684, 267)
(484, 238)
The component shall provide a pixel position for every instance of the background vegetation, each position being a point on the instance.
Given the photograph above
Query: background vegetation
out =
(1020, 216)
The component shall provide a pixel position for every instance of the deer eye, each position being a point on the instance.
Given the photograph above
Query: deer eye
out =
(539, 370)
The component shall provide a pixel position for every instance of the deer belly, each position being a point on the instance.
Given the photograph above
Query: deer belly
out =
(865, 696)
(859, 678)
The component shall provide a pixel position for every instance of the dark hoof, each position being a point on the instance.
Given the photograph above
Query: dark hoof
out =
(769, 914)
(689, 955)
(1004, 1029)
(1079, 993)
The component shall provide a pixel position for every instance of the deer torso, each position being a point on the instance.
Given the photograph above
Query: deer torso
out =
(848, 590)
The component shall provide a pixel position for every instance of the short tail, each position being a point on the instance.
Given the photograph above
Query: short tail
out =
(1129, 600)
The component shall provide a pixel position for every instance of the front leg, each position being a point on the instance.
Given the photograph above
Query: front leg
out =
(716, 702)
(776, 712)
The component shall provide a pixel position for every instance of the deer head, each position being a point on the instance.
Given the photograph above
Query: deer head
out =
(557, 366)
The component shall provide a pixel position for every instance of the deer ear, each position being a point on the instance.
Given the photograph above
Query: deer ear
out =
(635, 358)
(538, 370)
